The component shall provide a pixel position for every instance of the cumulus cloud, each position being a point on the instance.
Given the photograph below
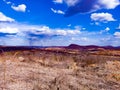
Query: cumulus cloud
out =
(117, 34)
(11, 33)
(34, 34)
(19, 8)
(109, 4)
(57, 11)
(9, 30)
(107, 29)
(85, 6)
(4, 18)
(54, 32)
(102, 17)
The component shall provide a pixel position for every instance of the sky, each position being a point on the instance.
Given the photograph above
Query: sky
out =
(59, 22)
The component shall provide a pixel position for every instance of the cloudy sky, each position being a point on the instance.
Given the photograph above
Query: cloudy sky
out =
(59, 22)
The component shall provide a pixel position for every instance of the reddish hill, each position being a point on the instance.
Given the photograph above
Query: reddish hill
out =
(75, 46)
(59, 48)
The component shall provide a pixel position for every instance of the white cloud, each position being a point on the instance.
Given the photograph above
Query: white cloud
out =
(57, 11)
(97, 23)
(67, 32)
(10, 30)
(109, 4)
(117, 34)
(85, 39)
(102, 17)
(71, 2)
(49, 31)
(107, 29)
(19, 8)
(78, 27)
(7, 2)
(46, 36)
(12, 40)
(118, 27)
(88, 6)
(4, 18)
(58, 1)
(82, 39)
(22, 29)
(34, 34)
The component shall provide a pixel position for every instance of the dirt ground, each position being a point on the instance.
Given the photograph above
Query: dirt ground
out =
(51, 71)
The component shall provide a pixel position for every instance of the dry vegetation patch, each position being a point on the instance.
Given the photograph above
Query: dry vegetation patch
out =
(54, 70)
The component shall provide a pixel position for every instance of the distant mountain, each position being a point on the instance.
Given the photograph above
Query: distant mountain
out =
(71, 46)
(13, 48)
(75, 46)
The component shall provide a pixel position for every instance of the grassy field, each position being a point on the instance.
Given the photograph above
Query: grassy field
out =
(60, 69)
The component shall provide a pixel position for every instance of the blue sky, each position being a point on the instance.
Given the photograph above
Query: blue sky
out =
(59, 22)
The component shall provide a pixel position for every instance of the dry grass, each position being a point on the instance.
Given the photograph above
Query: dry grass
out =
(49, 70)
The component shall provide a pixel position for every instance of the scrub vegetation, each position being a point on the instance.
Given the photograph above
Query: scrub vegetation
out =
(60, 69)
